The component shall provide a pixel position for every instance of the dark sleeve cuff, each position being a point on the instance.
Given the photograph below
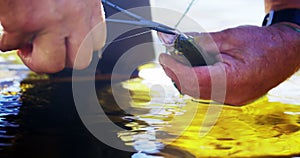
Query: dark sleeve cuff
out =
(286, 15)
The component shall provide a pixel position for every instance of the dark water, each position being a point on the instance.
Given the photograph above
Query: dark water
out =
(47, 125)
(41, 121)
(10, 104)
(9, 110)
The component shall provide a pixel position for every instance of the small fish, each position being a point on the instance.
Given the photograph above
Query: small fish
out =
(184, 49)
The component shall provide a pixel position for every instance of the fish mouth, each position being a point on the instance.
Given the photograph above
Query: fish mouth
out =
(167, 39)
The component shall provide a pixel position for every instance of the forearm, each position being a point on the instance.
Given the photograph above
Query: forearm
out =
(281, 4)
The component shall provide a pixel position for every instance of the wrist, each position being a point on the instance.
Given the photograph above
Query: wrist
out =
(288, 32)
(290, 39)
(292, 26)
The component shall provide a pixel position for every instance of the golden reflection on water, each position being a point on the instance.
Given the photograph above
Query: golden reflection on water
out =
(258, 129)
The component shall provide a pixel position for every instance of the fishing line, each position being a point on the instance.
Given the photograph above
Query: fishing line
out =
(131, 36)
(185, 12)
(141, 33)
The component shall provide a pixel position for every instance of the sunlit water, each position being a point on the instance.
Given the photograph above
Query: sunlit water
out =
(10, 102)
(267, 127)
(40, 120)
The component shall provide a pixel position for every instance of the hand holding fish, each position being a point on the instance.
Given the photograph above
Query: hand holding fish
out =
(254, 59)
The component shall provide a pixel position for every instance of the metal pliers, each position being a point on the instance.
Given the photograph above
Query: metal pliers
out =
(186, 50)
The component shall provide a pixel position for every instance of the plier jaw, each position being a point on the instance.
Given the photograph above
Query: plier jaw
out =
(181, 47)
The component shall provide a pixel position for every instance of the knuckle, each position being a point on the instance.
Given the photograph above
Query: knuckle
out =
(80, 8)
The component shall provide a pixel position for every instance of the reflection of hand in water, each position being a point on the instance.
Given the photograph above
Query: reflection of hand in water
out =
(255, 59)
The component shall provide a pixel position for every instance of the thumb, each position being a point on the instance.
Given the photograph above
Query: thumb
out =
(172, 69)
(184, 76)
(169, 62)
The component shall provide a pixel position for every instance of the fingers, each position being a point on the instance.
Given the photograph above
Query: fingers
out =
(89, 34)
(209, 80)
(170, 71)
(12, 41)
(216, 42)
(79, 48)
(51, 52)
(210, 44)
(98, 27)
(66, 37)
(47, 55)
(99, 35)
(184, 76)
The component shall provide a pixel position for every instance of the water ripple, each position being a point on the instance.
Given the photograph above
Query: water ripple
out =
(10, 104)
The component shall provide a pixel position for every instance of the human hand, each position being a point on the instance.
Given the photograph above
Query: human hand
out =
(51, 35)
(251, 60)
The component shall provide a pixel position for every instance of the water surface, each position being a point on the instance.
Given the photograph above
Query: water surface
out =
(40, 120)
